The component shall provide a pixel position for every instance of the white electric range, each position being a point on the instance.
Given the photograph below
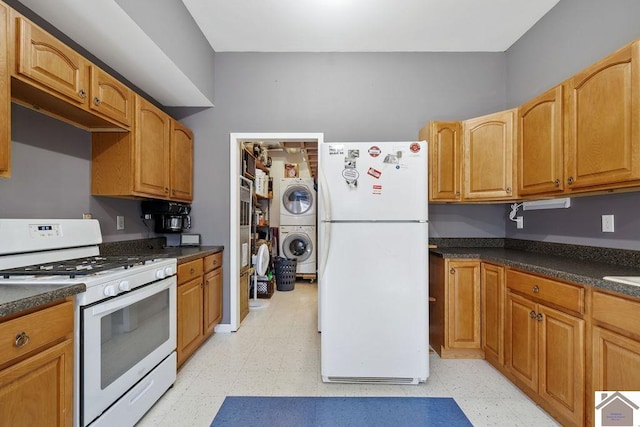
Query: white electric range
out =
(125, 321)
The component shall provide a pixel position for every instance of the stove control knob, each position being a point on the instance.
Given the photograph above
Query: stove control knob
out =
(160, 274)
(168, 271)
(110, 290)
(124, 286)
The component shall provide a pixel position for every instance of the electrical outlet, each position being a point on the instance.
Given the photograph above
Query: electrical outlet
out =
(519, 222)
(120, 222)
(607, 224)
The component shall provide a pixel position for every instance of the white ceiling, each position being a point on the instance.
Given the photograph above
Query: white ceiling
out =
(289, 26)
(365, 25)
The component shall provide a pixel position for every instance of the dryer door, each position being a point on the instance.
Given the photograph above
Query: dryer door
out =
(297, 199)
(297, 246)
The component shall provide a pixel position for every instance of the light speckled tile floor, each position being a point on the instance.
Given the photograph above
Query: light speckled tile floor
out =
(276, 352)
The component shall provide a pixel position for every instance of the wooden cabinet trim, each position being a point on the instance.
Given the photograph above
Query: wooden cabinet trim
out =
(189, 270)
(617, 312)
(538, 288)
(43, 328)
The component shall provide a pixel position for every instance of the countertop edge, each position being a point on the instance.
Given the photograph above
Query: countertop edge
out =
(32, 301)
(545, 270)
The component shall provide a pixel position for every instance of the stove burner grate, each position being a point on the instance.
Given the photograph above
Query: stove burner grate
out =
(79, 266)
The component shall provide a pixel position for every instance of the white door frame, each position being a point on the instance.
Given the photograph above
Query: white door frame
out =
(235, 141)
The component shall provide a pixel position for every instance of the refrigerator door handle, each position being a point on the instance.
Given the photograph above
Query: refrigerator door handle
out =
(326, 201)
(326, 242)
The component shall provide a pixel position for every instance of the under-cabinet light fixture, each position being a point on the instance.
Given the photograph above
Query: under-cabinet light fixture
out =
(547, 204)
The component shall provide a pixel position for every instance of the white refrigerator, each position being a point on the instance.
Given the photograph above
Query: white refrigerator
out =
(373, 262)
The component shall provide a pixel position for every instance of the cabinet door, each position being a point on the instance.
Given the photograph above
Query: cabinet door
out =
(603, 116)
(5, 96)
(463, 288)
(244, 294)
(190, 318)
(44, 59)
(541, 145)
(444, 160)
(615, 361)
(110, 97)
(521, 340)
(151, 157)
(561, 362)
(493, 294)
(488, 146)
(212, 300)
(181, 162)
(39, 390)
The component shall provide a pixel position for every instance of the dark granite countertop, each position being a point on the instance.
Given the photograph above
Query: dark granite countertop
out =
(17, 298)
(584, 272)
(188, 253)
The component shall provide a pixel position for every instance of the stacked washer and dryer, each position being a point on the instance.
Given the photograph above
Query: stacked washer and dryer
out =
(298, 224)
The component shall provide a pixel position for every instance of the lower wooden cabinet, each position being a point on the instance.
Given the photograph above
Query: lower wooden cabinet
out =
(492, 291)
(245, 277)
(199, 302)
(544, 352)
(615, 345)
(454, 316)
(36, 379)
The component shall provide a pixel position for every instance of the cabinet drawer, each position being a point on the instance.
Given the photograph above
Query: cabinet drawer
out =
(189, 270)
(213, 261)
(42, 327)
(617, 311)
(561, 294)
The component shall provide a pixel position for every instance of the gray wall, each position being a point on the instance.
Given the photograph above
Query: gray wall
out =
(350, 97)
(51, 177)
(573, 35)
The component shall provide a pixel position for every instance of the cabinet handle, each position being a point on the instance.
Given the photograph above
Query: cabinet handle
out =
(532, 314)
(536, 289)
(508, 189)
(82, 94)
(166, 189)
(173, 192)
(193, 270)
(452, 271)
(97, 101)
(201, 284)
(570, 180)
(556, 182)
(539, 317)
(457, 193)
(22, 339)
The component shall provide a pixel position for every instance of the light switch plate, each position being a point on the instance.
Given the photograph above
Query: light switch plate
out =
(120, 222)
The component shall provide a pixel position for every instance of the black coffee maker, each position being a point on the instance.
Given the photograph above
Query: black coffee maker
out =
(169, 217)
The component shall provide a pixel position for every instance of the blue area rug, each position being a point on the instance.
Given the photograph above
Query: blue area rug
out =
(339, 411)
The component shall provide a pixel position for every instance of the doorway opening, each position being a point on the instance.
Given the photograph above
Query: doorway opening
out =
(239, 165)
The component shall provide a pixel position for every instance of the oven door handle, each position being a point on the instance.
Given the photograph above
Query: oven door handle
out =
(133, 297)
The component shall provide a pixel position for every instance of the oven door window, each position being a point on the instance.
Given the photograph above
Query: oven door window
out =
(123, 339)
(128, 335)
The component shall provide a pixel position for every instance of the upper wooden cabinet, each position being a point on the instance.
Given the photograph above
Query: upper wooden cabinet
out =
(603, 122)
(488, 156)
(541, 145)
(181, 159)
(44, 59)
(152, 150)
(109, 97)
(444, 159)
(150, 161)
(5, 96)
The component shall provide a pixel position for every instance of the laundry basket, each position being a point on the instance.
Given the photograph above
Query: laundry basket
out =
(285, 273)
